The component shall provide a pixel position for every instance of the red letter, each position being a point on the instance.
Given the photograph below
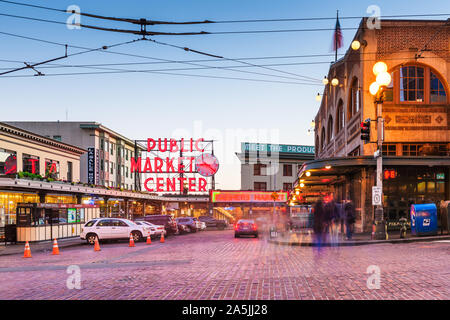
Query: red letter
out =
(146, 186)
(202, 184)
(150, 144)
(159, 184)
(136, 165)
(170, 184)
(173, 145)
(191, 184)
(33, 165)
(148, 166)
(158, 165)
(169, 164)
(160, 147)
(196, 145)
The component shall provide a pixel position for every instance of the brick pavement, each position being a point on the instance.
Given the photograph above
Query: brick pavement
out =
(214, 265)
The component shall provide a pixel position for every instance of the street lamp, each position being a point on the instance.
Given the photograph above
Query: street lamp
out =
(383, 79)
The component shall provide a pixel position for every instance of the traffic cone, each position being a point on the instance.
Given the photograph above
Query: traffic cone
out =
(27, 252)
(131, 241)
(373, 231)
(162, 238)
(149, 240)
(96, 245)
(55, 247)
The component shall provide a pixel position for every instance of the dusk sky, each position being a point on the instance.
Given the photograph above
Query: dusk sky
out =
(142, 105)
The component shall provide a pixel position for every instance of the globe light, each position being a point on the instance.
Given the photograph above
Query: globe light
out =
(373, 89)
(328, 167)
(313, 123)
(318, 97)
(356, 45)
(334, 82)
(297, 192)
(325, 81)
(383, 79)
(379, 67)
(302, 185)
(308, 173)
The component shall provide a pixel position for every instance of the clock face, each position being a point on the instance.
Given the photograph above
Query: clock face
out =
(206, 164)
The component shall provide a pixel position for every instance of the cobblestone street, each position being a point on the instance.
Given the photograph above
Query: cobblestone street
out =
(215, 265)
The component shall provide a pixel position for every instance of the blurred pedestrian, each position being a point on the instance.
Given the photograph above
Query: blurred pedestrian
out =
(318, 224)
(350, 218)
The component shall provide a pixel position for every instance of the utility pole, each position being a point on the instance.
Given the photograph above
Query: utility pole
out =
(380, 231)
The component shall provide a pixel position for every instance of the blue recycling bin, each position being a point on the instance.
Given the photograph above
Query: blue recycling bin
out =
(423, 219)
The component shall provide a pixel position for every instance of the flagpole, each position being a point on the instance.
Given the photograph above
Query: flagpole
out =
(335, 37)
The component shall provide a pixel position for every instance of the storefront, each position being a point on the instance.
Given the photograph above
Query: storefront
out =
(406, 181)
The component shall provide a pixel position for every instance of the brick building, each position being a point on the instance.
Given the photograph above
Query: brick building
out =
(416, 111)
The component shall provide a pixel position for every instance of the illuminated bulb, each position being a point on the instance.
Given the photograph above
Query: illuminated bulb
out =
(327, 167)
(302, 185)
(379, 67)
(325, 81)
(384, 79)
(318, 98)
(373, 89)
(297, 192)
(313, 124)
(356, 45)
(334, 82)
(308, 173)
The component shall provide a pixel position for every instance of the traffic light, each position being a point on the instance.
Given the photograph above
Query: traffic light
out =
(365, 131)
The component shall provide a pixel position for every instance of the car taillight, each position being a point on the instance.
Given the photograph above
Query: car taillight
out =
(254, 226)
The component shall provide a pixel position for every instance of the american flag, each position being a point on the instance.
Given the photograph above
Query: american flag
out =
(338, 40)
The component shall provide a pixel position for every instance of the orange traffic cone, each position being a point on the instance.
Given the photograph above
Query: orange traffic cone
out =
(162, 238)
(27, 252)
(131, 241)
(149, 240)
(96, 245)
(55, 247)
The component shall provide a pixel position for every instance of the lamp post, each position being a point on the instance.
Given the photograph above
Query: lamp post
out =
(383, 78)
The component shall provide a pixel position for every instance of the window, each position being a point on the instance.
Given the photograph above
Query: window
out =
(126, 173)
(287, 170)
(30, 163)
(258, 169)
(389, 149)
(126, 154)
(105, 223)
(322, 140)
(287, 186)
(437, 91)
(412, 83)
(426, 149)
(112, 167)
(51, 169)
(69, 171)
(102, 144)
(112, 148)
(260, 186)
(57, 138)
(330, 129)
(8, 162)
(340, 117)
(355, 152)
(355, 99)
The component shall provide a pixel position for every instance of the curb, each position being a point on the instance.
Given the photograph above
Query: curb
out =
(40, 248)
(360, 243)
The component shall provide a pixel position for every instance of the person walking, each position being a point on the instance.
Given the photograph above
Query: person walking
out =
(318, 223)
(350, 218)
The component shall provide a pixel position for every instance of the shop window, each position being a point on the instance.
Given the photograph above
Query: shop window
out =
(421, 187)
(287, 170)
(30, 163)
(440, 187)
(8, 162)
(259, 169)
(260, 186)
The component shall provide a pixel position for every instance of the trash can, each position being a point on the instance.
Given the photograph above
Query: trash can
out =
(424, 219)
(445, 216)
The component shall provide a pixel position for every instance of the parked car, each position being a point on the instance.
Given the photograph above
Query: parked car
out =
(113, 228)
(169, 223)
(189, 222)
(183, 229)
(245, 227)
(200, 224)
(211, 222)
(156, 230)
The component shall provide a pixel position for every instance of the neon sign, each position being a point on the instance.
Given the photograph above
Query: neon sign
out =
(247, 196)
(389, 174)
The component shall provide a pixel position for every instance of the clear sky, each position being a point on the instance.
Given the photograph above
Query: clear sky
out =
(141, 105)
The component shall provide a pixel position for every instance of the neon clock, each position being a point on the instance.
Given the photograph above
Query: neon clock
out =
(206, 164)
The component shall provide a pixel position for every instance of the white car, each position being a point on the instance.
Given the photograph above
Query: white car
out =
(200, 224)
(156, 230)
(113, 228)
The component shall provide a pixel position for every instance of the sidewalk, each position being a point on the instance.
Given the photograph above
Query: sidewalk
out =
(41, 246)
(307, 239)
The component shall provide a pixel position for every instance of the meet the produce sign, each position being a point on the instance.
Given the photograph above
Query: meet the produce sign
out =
(191, 159)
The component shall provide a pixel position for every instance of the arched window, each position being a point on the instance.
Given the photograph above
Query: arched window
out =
(340, 116)
(330, 129)
(354, 101)
(419, 84)
(322, 139)
(317, 148)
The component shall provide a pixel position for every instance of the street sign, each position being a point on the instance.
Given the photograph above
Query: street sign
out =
(376, 196)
